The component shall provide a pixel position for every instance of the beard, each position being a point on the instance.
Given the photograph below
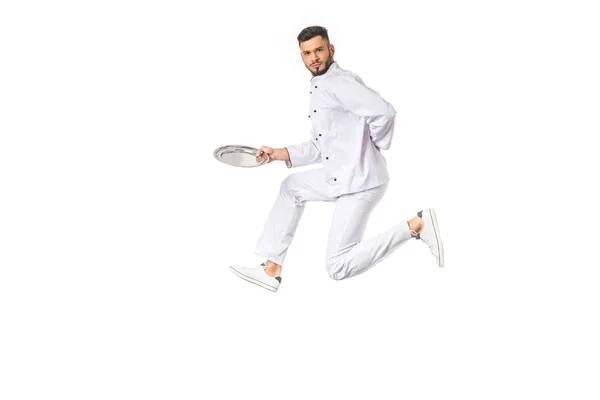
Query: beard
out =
(322, 68)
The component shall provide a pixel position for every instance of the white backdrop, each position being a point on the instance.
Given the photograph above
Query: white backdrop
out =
(117, 225)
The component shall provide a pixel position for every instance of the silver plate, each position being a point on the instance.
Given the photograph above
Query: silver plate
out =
(239, 156)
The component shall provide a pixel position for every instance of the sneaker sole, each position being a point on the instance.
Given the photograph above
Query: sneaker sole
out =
(252, 280)
(438, 237)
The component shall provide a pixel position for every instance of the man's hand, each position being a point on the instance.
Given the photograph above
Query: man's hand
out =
(263, 152)
(274, 154)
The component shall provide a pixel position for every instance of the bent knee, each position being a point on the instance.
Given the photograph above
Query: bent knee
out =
(337, 277)
(336, 270)
(288, 184)
(291, 180)
(289, 190)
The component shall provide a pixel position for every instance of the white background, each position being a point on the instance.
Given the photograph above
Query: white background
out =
(117, 225)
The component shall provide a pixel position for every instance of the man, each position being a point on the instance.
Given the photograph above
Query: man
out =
(351, 123)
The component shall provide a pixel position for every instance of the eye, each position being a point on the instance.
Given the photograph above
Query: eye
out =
(319, 49)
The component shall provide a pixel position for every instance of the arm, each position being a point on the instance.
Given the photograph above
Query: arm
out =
(356, 97)
(303, 154)
(294, 156)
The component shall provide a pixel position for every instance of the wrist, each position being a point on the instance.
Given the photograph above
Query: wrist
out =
(281, 154)
(275, 155)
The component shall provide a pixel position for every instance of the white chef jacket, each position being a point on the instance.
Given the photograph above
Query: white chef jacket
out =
(348, 119)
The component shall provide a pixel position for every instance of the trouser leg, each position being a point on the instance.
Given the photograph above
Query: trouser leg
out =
(347, 253)
(280, 226)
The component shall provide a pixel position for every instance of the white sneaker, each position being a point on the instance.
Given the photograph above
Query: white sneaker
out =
(258, 276)
(430, 235)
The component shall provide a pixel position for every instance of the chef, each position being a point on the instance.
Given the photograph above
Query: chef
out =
(351, 123)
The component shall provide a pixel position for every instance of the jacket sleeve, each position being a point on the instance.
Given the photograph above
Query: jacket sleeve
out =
(356, 97)
(303, 154)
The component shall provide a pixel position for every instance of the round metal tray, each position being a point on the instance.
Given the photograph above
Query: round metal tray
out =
(239, 156)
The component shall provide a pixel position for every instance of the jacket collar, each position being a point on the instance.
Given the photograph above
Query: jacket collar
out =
(331, 70)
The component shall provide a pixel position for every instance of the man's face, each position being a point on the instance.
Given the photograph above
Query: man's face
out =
(317, 55)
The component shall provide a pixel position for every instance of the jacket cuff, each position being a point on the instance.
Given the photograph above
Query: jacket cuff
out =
(288, 163)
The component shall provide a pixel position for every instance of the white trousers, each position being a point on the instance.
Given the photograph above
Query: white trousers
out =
(347, 253)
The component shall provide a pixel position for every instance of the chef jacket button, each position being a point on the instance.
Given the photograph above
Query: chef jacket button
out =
(310, 92)
(309, 116)
(317, 138)
(319, 134)
(315, 87)
(335, 179)
(327, 158)
(314, 110)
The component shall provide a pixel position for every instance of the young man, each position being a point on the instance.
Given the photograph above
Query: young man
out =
(351, 123)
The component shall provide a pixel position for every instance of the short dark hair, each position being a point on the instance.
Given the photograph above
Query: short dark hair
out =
(311, 32)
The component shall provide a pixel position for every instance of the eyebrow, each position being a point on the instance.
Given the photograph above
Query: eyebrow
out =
(308, 51)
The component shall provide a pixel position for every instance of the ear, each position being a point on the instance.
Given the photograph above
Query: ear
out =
(331, 50)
